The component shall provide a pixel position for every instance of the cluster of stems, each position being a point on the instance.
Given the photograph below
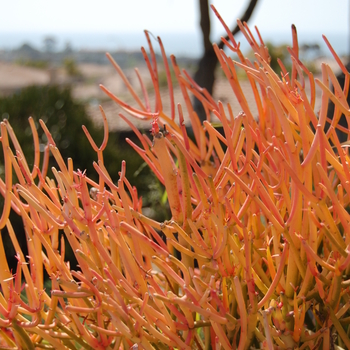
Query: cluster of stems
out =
(255, 253)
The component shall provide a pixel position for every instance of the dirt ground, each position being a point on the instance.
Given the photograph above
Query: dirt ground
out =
(14, 77)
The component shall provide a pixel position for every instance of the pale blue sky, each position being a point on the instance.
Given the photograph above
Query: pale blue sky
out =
(273, 17)
(166, 15)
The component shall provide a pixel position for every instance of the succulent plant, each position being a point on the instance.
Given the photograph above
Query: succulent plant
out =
(256, 251)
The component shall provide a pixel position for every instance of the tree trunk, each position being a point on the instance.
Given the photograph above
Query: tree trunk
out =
(205, 74)
(342, 136)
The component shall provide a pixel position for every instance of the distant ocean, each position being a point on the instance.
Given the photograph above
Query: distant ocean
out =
(180, 44)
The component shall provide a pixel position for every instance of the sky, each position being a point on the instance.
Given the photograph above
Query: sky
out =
(273, 17)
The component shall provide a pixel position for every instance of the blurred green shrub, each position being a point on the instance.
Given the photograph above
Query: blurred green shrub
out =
(64, 117)
(71, 67)
(41, 64)
(281, 52)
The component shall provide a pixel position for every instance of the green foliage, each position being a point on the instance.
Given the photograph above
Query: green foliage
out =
(41, 64)
(279, 52)
(64, 118)
(163, 80)
(71, 67)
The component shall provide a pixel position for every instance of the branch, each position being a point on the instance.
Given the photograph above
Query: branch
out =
(245, 18)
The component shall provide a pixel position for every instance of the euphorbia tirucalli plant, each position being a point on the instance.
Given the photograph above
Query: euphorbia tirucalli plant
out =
(256, 251)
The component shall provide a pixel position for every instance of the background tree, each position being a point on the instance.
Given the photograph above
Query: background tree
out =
(49, 43)
(205, 74)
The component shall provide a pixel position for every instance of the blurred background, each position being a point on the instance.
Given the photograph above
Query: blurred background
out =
(118, 25)
(66, 41)
(52, 60)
